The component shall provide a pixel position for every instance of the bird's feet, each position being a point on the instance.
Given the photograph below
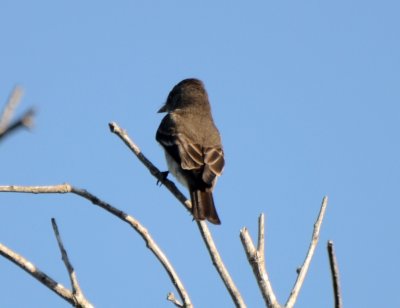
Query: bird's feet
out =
(162, 178)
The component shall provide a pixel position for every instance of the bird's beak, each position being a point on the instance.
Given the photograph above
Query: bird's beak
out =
(163, 109)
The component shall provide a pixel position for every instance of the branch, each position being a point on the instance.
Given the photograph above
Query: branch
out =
(11, 104)
(25, 121)
(335, 275)
(205, 232)
(219, 264)
(122, 134)
(171, 297)
(256, 258)
(36, 273)
(135, 224)
(303, 270)
(76, 290)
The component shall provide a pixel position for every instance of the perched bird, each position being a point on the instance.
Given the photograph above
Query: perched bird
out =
(192, 145)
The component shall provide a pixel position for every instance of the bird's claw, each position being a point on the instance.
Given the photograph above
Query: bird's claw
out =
(163, 177)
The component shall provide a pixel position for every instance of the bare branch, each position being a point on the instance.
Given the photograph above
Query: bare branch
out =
(261, 239)
(205, 232)
(25, 121)
(303, 270)
(122, 134)
(36, 273)
(76, 290)
(134, 223)
(219, 264)
(335, 275)
(8, 111)
(171, 297)
(256, 259)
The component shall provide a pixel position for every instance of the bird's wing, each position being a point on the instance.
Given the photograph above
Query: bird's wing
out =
(178, 146)
(167, 137)
(166, 132)
(190, 156)
(207, 160)
(214, 163)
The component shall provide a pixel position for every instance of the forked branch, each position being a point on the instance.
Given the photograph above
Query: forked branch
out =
(134, 223)
(257, 261)
(205, 232)
(76, 299)
(256, 258)
(76, 289)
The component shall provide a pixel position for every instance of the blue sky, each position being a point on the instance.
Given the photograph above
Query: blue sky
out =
(306, 97)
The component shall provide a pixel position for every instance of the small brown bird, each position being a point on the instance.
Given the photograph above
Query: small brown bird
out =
(192, 145)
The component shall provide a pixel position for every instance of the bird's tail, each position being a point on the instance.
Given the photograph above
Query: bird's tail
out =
(203, 206)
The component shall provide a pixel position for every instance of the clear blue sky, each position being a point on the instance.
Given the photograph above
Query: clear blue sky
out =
(306, 97)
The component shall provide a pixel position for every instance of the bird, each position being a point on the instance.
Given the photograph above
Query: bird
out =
(192, 145)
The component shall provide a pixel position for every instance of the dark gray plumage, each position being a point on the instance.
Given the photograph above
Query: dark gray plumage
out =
(192, 145)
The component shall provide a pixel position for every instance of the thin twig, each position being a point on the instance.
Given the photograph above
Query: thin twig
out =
(205, 232)
(122, 134)
(256, 258)
(76, 289)
(171, 297)
(25, 121)
(36, 273)
(261, 239)
(134, 223)
(219, 264)
(335, 275)
(303, 270)
(11, 104)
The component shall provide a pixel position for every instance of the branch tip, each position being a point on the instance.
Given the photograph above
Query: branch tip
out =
(335, 275)
(304, 268)
(171, 297)
(261, 239)
(112, 127)
(256, 258)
